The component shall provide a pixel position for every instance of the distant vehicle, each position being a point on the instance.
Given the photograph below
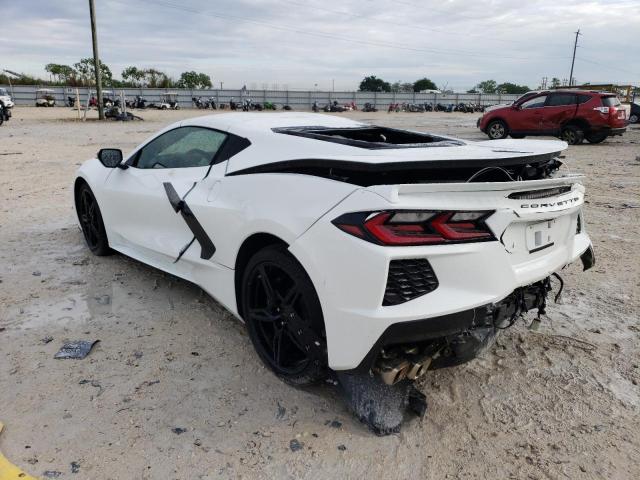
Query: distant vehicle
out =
(168, 101)
(45, 97)
(634, 114)
(108, 98)
(5, 98)
(572, 115)
(5, 105)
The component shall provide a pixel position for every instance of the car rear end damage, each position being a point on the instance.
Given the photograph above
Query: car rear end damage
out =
(448, 287)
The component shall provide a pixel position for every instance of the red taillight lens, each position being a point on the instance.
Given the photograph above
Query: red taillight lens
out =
(397, 228)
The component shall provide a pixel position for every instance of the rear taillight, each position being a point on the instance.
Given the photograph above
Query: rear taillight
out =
(604, 110)
(404, 228)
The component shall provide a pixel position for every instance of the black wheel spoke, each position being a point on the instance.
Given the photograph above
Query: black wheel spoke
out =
(266, 285)
(261, 315)
(277, 345)
(291, 297)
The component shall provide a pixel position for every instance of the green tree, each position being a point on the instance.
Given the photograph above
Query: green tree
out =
(424, 84)
(133, 76)
(512, 88)
(374, 84)
(194, 80)
(62, 73)
(86, 72)
(555, 82)
(473, 90)
(402, 87)
(488, 86)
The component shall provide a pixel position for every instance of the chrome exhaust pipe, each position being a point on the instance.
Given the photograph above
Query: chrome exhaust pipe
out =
(393, 370)
(418, 369)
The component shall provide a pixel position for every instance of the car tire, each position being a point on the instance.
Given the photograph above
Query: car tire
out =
(633, 118)
(596, 137)
(497, 129)
(572, 134)
(91, 223)
(276, 289)
(516, 136)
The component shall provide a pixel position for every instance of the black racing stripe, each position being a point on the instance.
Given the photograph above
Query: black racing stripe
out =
(206, 244)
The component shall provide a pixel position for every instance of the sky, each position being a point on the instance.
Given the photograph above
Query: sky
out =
(327, 44)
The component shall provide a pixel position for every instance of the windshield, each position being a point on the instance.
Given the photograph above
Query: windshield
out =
(3, 92)
(524, 97)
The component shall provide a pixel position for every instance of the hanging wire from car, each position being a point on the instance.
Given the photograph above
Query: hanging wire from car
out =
(487, 169)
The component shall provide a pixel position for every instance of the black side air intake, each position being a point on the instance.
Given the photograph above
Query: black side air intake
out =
(409, 279)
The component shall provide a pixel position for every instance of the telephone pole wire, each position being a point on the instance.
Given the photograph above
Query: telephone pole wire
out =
(573, 60)
(96, 59)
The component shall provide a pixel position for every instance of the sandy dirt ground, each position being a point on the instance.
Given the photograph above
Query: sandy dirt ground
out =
(174, 389)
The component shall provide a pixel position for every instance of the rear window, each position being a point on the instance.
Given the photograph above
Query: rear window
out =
(371, 137)
(610, 101)
(558, 99)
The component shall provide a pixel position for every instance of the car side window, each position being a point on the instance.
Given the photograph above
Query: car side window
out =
(535, 102)
(182, 147)
(560, 99)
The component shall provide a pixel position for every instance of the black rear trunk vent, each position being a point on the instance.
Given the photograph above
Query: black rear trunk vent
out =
(409, 279)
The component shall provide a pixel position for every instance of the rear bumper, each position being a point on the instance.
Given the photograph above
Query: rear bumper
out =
(350, 277)
(617, 131)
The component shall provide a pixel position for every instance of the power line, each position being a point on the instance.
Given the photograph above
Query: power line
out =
(637, 74)
(321, 34)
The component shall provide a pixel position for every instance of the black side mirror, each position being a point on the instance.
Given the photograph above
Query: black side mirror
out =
(110, 157)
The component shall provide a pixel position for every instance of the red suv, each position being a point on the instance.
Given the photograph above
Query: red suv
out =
(572, 115)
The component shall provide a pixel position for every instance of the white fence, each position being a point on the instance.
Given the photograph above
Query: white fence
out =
(298, 100)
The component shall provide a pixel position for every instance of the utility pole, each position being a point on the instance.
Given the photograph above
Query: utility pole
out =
(573, 60)
(96, 59)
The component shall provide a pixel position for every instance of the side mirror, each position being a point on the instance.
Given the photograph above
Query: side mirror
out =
(110, 157)
(516, 106)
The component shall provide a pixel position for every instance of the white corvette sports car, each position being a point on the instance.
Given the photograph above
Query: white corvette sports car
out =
(343, 245)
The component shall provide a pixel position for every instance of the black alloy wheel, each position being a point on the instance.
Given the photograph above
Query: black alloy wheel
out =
(284, 317)
(91, 222)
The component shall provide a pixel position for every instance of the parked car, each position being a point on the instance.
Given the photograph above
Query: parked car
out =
(5, 98)
(45, 97)
(634, 114)
(5, 105)
(343, 246)
(168, 101)
(572, 115)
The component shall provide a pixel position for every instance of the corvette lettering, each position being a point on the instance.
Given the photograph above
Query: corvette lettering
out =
(562, 203)
(180, 206)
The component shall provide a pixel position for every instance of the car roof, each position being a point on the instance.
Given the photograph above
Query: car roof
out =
(268, 145)
(246, 124)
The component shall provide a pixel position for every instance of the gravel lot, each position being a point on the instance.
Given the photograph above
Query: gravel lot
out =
(174, 389)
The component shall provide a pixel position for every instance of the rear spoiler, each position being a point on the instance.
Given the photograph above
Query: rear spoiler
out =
(393, 193)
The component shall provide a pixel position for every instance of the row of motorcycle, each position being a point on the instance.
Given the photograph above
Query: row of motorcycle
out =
(438, 107)
(347, 107)
(246, 105)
